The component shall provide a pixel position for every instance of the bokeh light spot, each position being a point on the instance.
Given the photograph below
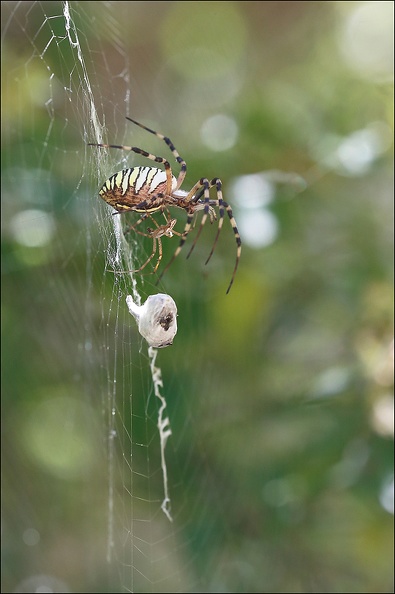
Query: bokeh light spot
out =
(387, 494)
(258, 228)
(353, 155)
(251, 191)
(31, 537)
(44, 584)
(219, 132)
(367, 40)
(383, 415)
(56, 437)
(33, 228)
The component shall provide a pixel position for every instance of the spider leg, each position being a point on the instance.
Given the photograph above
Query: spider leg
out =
(150, 231)
(222, 206)
(168, 229)
(154, 240)
(218, 184)
(183, 236)
(157, 239)
(206, 185)
(139, 151)
(189, 200)
(209, 211)
(198, 195)
(151, 234)
(156, 235)
(238, 242)
(207, 205)
(180, 160)
(133, 227)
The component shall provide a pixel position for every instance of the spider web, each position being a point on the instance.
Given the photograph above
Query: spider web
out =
(63, 91)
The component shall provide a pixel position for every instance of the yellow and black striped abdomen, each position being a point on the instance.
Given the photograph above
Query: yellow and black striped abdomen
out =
(129, 188)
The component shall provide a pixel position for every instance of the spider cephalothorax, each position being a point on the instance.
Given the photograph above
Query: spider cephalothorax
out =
(146, 190)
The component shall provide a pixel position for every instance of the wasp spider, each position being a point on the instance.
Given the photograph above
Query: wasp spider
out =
(146, 190)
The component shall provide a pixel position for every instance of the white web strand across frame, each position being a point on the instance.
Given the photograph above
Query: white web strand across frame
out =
(70, 91)
(123, 253)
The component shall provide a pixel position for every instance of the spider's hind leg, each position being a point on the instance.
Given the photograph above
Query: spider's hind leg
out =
(133, 227)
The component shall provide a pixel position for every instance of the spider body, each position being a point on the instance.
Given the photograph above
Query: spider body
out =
(146, 190)
(141, 189)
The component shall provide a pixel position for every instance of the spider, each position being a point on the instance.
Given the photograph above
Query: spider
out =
(156, 235)
(146, 190)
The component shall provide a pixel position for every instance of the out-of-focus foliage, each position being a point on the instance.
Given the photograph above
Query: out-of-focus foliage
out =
(280, 394)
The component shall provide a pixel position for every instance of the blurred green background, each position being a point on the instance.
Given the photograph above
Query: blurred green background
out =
(280, 394)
